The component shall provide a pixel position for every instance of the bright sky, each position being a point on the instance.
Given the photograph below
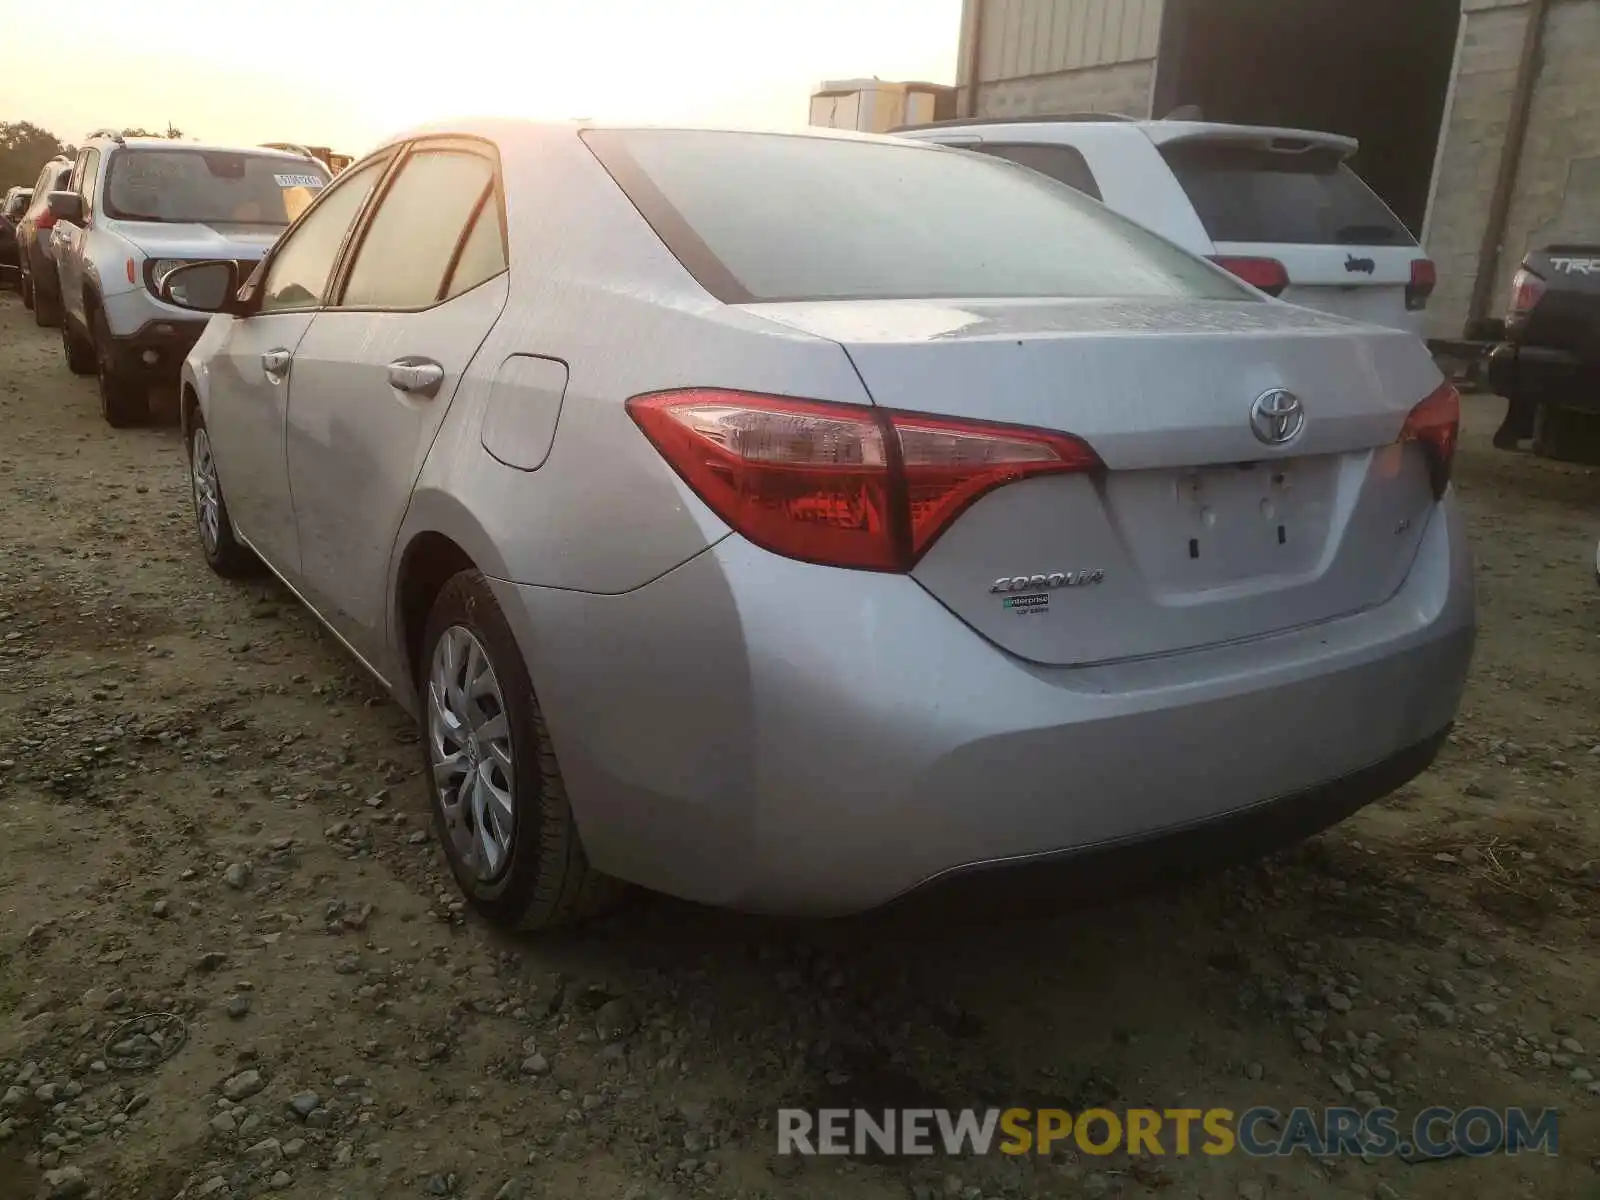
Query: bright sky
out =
(344, 73)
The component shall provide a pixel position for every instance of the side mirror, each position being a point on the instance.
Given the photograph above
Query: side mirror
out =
(208, 287)
(66, 206)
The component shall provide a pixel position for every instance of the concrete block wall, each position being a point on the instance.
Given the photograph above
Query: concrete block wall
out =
(1474, 129)
(1559, 172)
(1118, 88)
(1557, 196)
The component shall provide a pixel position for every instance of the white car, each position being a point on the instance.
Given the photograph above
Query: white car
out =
(135, 208)
(1280, 208)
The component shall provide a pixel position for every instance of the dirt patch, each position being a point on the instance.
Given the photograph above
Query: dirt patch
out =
(206, 811)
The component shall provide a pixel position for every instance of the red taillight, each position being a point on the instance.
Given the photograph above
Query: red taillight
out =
(841, 484)
(1424, 278)
(45, 220)
(1268, 274)
(1435, 425)
(1526, 291)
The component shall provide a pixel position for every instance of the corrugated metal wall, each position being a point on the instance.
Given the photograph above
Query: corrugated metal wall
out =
(1027, 38)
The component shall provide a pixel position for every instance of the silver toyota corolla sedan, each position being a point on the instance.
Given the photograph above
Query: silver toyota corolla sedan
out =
(791, 522)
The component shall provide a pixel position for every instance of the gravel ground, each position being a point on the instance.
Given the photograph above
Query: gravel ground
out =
(210, 820)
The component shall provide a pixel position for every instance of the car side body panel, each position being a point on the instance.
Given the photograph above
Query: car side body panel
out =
(556, 526)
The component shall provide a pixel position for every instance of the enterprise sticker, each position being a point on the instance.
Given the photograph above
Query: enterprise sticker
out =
(307, 181)
(1028, 606)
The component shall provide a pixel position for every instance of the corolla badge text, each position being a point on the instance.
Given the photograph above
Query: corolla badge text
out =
(1045, 583)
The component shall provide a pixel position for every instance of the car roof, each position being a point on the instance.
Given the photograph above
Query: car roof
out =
(156, 143)
(1161, 132)
(512, 128)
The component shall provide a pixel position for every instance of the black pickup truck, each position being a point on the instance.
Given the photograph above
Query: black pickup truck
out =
(1548, 365)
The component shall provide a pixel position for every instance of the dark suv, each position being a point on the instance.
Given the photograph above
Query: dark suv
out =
(1548, 365)
(41, 290)
(11, 209)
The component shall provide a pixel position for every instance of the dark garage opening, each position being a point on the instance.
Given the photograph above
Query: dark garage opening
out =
(1374, 70)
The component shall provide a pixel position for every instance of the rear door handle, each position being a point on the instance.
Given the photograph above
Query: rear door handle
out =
(416, 376)
(276, 363)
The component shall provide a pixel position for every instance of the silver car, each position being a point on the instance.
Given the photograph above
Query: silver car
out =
(791, 522)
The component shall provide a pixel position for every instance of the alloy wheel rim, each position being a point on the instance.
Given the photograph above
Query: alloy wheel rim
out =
(470, 751)
(207, 493)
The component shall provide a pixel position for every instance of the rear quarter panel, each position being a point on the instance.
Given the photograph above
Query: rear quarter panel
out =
(593, 287)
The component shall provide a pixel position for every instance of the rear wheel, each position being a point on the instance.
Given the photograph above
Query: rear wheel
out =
(46, 309)
(498, 798)
(46, 306)
(1566, 435)
(25, 286)
(79, 350)
(227, 556)
(124, 399)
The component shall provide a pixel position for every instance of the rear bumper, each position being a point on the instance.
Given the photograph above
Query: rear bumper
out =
(1543, 375)
(1095, 871)
(758, 733)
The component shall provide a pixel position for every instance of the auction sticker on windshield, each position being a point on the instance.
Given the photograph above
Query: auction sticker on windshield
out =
(289, 181)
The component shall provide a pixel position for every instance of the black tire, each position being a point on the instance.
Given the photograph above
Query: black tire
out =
(77, 348)
(547, 881)
(1566, 435)
(25, 286)
(228, 557)
(46, 304)
(46, 309)
(124, 399)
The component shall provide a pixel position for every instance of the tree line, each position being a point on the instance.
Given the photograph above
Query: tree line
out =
(25, 148)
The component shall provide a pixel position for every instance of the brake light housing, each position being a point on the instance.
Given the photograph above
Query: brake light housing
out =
(843, 485)
(1424, 278)
(1265, 274)
(1527, 289)
(45, 220)
(1435, 425)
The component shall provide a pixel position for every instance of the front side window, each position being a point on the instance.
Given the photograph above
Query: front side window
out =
(770, 217)
(208, 187)
(298, 273)
(86, 182)
(410, 245)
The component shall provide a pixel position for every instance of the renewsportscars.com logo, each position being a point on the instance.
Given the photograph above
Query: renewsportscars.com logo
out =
(1255, 1132)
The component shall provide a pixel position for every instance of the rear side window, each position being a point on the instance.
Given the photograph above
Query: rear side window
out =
(412, 242)
(770, 217)
(1062, 163)
(1246, 193)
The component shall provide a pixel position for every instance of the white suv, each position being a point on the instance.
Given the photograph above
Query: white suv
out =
(1280, 208)
(134, 209)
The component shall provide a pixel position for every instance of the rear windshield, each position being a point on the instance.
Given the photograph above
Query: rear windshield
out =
(209, 186)
(769, 217)
(1253, 194)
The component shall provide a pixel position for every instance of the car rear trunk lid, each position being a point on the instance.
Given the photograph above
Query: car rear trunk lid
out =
(1198, 532)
